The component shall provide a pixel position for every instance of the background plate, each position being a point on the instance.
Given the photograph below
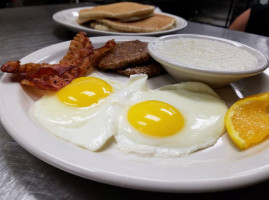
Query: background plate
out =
(68, 19)
(219, 167)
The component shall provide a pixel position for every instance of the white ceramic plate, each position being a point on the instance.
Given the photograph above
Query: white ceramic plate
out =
(68, 19)
(219, 167)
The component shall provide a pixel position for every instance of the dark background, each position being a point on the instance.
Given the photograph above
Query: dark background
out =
(214, 12)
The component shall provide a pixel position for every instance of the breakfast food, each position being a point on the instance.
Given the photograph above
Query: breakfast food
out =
(124, 54)
(151, 69)
(130, 57)
(247, 120)
(124, 11)
(44, 76)
(205, 54)
(80, 49)
(125, 58)
(125, 17)
(81, 113)
(76, 63)
(154, 23)
(171, 121)
(88, 102)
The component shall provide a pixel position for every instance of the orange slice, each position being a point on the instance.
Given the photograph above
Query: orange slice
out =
(247, 120)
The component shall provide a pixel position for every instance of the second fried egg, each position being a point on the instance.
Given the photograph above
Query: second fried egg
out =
(171, 121)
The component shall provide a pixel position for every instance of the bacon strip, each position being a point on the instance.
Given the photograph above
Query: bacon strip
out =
(44, 76)
(79, 50)
(100, 52)
(78, 61)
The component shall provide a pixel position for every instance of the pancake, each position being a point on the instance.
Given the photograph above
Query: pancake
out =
(126, 11)
(100, 27)
(157, 22)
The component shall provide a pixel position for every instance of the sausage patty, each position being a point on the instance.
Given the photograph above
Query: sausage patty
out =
(129, 53)
(151, 69)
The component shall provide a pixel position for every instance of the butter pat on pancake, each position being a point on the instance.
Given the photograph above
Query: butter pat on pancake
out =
(124, 11)
(157, 22)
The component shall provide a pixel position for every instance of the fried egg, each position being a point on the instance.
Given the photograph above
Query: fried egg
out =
(171, 121)
(82, 112)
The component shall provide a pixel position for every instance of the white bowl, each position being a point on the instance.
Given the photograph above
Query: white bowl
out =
(213, 77)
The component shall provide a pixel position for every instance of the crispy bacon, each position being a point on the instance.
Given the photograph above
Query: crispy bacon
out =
(53, 77)
(78, 61)
(78, 54)
(16, 68)
(44, 76)
(100, 52)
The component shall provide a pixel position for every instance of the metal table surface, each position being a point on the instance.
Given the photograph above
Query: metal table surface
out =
(23, 176)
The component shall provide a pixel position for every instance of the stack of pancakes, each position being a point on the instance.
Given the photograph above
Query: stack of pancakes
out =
(125, 17)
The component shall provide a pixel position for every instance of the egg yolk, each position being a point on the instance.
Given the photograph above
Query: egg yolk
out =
(155, 118)
(84, 91)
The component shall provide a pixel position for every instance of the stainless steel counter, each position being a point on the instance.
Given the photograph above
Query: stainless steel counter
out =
(23, 176)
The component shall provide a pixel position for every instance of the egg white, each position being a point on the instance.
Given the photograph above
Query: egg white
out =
(201, 107)
(88, 127)
(91, 127)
